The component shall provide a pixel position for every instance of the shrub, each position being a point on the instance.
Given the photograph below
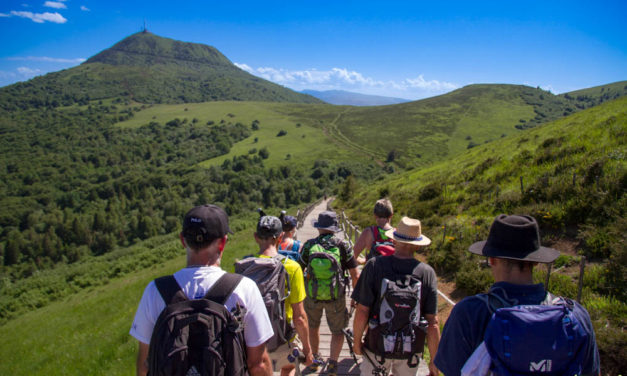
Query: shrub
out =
(473, 279)
(281, 133)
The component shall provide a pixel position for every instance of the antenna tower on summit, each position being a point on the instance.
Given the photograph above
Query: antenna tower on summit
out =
(144, 30)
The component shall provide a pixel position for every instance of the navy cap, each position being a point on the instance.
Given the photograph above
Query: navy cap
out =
(205, 223)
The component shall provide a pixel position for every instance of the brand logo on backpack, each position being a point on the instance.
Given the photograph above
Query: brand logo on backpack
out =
(541, 366)
(324, 280)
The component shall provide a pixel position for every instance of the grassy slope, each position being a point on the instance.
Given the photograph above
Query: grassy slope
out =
(87, 333)
(305, 143)
(598, 134)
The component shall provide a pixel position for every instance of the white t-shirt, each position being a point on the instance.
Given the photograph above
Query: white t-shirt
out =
(195, 282)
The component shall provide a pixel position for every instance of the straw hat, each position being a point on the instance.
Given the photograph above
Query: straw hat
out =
(408, 231)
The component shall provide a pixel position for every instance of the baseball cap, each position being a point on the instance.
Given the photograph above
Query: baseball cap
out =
(205, 223)
(269, 226)
(289, 222)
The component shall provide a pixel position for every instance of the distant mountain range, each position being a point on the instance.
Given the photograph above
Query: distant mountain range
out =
(149, 69)
(342, 97)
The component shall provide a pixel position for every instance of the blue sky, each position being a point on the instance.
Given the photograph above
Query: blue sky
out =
(407, 49)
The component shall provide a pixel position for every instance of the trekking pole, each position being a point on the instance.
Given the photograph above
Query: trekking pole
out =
(378, 370)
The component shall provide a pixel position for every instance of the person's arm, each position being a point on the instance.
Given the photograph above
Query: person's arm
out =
(354, 276)
(433, 341)
(141, 367)
(363, 242)
(258, 361)
(360, 321)
(302, 328)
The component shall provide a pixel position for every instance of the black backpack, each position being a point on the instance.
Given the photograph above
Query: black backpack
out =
(396, 329)
(199, 336)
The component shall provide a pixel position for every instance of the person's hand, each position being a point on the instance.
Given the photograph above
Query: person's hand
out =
(309, 359)
(357, 348)
(433, 370)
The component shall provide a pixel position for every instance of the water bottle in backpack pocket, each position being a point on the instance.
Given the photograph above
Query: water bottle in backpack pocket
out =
(396, 330)
(545, 339)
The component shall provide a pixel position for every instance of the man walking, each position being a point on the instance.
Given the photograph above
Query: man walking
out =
(325, 260)
(513, 249)
(393, 295)
(204, 237)
(268, 234)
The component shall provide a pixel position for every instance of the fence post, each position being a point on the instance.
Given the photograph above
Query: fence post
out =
(548, 276)
(574, 178)
(582, 267)
(522, 187)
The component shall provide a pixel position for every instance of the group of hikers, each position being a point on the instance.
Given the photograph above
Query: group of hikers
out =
(266, 316)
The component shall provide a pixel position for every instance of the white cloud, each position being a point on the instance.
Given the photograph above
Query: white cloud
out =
(4, 15)
(55, 5)
(28, 72)
(46, 59)
(41, 17)
(84, 8)
(344, 79)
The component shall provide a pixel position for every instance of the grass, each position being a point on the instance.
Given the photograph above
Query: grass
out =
(87, 332)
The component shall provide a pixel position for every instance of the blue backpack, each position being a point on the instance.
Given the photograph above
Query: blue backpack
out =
(545, 339)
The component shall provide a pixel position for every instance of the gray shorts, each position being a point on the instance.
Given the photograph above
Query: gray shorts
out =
(337, 314)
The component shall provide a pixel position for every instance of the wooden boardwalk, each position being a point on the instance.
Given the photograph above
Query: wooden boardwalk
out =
(346, 363)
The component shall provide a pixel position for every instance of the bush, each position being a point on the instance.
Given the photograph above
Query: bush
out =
(281, 133)
(473, 279)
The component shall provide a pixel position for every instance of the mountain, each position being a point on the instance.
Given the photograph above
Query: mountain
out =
(341, 97)
(596, 95)
(147, 68)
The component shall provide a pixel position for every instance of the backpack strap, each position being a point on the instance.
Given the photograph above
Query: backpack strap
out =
(223, 287)
(170, 290)
(494, 301)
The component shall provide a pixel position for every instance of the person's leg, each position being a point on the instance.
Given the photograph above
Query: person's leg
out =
(367, 368)
(401, 368)
(314, 314)
(314, 339)
(337, 318)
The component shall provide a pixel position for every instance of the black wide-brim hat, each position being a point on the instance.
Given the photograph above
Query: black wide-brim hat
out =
(515, 237)
(327, 220)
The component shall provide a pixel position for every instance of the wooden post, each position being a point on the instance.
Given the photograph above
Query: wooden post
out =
(582, 267)
(574, 178)
(522, 187)
(548, 276)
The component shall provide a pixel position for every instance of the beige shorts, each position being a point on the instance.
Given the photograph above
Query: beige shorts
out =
(278, 357)
(398, 367)
(337, 314)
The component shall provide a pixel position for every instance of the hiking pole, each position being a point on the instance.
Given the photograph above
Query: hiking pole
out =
(378, 370)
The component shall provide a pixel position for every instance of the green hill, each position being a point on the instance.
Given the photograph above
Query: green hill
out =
(149, 69)
(596, 95)
(570, 174)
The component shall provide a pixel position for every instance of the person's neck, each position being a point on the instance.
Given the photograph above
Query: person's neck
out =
(514, 276)
(268, 250)
(403, 253)
(384, 223)
(199, 259)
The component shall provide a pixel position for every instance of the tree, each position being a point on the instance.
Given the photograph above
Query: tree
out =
(348, 188)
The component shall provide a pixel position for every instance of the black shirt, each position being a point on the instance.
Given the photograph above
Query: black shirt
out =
(368, 286)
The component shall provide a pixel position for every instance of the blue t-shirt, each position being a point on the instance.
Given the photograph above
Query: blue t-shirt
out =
(465, 328)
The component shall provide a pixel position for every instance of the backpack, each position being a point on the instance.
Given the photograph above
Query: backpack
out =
(380, 246)
(324, 279)
(396, 330)
(526, 339)
(199, 336)
(272, 279)
(289, 248)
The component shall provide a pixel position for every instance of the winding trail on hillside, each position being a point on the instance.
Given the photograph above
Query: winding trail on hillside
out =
(346, 364)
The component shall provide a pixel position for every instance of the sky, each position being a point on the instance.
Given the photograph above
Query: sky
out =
(404, 49)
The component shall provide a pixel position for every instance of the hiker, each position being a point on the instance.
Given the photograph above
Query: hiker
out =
(373, 238)
(288, 245)
(280, 281)
(204, 236)
(397, 301)
(325, 260)
(474, 337)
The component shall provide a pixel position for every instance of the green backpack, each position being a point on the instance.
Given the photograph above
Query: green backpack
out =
(324, 279)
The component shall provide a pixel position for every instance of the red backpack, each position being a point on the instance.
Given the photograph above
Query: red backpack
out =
(380, 246)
